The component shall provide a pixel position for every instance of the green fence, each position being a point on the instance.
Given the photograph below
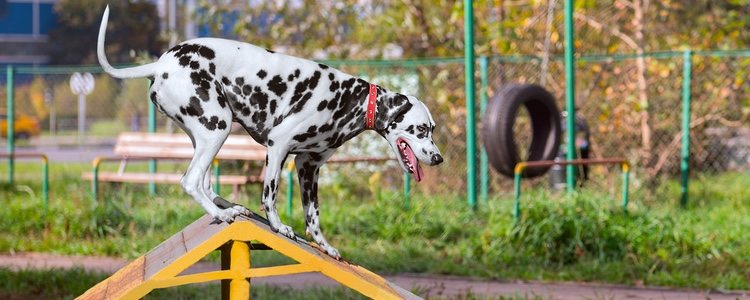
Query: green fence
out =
(707, 86)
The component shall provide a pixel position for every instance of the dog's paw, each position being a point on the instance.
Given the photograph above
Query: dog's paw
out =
(242, 210)
(286, 231)
(332, 252)
(229, 214)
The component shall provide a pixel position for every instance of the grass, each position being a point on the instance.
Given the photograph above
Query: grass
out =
(583, 237)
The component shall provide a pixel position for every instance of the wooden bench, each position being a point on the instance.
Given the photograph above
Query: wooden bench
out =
(147, 146)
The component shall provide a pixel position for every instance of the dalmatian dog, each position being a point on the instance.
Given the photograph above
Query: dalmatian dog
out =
(290, 105)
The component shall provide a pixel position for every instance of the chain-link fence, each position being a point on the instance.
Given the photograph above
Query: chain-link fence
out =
(632, 104)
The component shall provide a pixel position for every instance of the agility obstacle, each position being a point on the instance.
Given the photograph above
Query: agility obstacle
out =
(161, 267)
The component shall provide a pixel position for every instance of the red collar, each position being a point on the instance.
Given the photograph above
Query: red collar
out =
(372, 98)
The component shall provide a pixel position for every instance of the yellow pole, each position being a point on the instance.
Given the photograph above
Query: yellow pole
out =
(239, 288)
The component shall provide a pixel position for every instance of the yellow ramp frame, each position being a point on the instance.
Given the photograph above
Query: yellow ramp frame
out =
(161, 267)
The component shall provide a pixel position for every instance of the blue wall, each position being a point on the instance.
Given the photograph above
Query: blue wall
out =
(17, 18)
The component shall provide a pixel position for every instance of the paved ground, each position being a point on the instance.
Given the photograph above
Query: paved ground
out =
(430, 286)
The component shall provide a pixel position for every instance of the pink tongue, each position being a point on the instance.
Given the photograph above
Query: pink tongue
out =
(418, 173)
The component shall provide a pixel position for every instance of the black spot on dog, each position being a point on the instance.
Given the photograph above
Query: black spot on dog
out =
(206, 52)
(334, 86)
(212, 68)
(179, 119)
(410, 129)
(296, 73)
(194, 65)
(212, 123)
(330, 76)
(322, 66)
(222, 125)
(277, 86)
(202, 93)
(259, 99)
(184, 61)
(193, 109)
(246, 90)
(326, 127)
(311, 132)
(270, 142)
(225, 81)
(165, 75)
(175, 48)
(239, 81)
(262, 74)
(270, 51)
(322, 105)
(273, 107)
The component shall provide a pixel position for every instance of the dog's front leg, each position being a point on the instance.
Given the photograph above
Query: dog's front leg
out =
(308, 166)
(274, 163)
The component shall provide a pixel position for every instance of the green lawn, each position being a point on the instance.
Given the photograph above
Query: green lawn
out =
(584, 237)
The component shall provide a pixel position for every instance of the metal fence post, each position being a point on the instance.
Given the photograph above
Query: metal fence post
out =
(685, 155)
(10, 72)
(407, 190)
(570, 88)
(152, 162)
(484, 172)
(471, 187)
(289, 190)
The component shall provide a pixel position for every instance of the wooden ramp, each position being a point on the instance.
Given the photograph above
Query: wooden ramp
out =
(161, 267)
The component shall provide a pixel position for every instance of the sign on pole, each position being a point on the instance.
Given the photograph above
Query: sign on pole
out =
(81, 85)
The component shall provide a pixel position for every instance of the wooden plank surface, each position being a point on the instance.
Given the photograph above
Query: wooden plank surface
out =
(114, 287)
(164, 178)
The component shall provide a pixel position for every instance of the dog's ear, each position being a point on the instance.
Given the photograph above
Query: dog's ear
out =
(391, 110)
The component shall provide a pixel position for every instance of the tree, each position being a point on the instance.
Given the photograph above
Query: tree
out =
(133, 26)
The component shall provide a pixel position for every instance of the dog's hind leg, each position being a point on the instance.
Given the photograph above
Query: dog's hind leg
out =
(218, 200)
(274, 161)
(308, 166)
(207, 144)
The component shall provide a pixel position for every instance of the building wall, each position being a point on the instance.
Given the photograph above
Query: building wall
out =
(24, 28)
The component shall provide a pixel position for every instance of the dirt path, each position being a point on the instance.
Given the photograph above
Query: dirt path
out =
(428, 286)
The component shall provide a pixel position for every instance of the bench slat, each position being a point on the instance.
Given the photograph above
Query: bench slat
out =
(165, 178)
(162, 145)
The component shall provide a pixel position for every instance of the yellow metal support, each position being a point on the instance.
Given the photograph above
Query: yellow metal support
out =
(239, 288)
(160, 268)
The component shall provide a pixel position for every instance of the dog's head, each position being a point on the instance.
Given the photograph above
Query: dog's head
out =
(407, 125)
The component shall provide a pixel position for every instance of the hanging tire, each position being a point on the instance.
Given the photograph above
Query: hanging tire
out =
(497, 128)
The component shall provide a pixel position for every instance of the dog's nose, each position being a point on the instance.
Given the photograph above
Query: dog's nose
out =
(436, 159)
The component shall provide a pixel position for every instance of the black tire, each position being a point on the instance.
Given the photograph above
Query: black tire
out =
(497, 128)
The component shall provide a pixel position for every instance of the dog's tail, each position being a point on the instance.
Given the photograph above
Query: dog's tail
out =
(134, 72)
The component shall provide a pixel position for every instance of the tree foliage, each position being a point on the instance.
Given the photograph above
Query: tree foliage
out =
(133, 26)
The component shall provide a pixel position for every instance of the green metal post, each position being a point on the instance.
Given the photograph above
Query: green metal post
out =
(570, 87)
(471, 181)
(45, 183)
(407, 190)
(95, 182)
(217, 171)
(625, 186)
(289, 192)
(11, 122)
(484, 170)
(517, 196)
(152, 162)
(686, 98)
